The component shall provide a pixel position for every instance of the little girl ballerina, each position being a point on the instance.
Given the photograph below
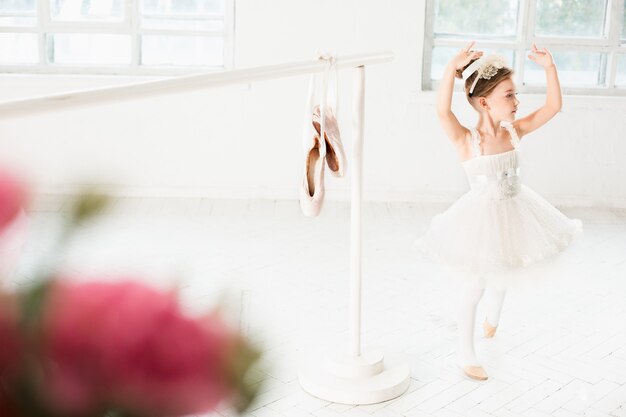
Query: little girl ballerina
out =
(500, 225)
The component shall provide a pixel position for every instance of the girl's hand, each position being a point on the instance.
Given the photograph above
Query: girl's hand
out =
(541, 57)
(464, 56)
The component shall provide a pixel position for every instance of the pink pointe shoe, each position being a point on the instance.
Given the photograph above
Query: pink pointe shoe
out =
(312, 189)
(335, 155)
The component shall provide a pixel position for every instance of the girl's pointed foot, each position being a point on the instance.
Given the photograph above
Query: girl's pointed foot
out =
(475, 372)
(490, 331)
(470, 366)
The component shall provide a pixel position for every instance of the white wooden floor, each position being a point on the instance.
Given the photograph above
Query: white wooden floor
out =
(560, 348)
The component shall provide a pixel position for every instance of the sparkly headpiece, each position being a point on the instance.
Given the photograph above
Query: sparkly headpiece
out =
(486, 67)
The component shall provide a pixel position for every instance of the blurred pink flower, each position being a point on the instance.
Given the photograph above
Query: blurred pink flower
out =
(129, 346)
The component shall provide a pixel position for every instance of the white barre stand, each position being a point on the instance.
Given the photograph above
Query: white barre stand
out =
(355, 378)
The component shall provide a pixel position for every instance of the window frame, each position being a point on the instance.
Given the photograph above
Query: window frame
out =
(130, 25)
(610, 44)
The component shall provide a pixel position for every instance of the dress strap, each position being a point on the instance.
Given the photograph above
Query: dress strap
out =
(475, 142)
(512, 132)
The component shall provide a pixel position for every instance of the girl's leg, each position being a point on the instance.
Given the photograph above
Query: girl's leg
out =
(494, 300)
(470, 290)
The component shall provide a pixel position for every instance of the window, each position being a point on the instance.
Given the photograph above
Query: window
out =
(115, 36)
(587, 39)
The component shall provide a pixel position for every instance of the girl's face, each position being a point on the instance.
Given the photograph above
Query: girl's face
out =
(502, 102)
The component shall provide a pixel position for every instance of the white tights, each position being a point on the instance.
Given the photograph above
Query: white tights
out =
(471, 288)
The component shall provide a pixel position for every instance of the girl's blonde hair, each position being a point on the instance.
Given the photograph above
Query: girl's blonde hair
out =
(484, 86)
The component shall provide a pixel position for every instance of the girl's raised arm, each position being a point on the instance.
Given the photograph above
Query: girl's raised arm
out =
(552, 106)
(454, 130)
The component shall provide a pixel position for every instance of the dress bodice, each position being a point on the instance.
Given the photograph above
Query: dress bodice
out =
(498, 172)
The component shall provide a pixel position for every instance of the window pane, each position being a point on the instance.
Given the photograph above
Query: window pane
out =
(182, 6)
(18, 48)
(570, 18)
(182, 14)
(576, 69)
(18, 20)
(18, 13)
(479, 17)
(620, 77)
(89, 49)
(441, 56)
(182, 50)
(149, 22)
(10, 6)
(79, 10)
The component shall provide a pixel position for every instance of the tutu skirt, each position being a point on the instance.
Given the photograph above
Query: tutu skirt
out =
(479, 233)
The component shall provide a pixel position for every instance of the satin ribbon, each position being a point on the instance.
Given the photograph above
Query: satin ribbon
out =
(507, 182)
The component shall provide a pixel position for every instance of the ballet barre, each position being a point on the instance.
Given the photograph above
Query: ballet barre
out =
(352, 377)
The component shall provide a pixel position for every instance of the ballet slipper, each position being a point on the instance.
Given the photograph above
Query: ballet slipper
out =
(312, 188)
(335, 155)
(475, 372)
(490, 331)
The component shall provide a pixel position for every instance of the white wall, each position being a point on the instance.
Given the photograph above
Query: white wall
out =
(244, 141)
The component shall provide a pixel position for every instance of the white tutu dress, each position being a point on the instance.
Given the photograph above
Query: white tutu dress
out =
(499, 225)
